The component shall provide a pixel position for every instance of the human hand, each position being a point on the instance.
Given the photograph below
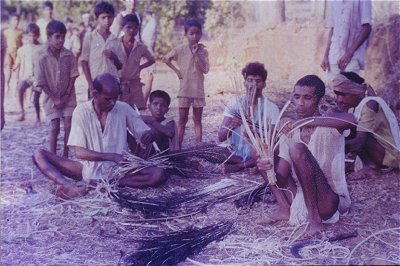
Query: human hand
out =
(264, 164)
(109, 54)
(325, 64)
(117, 158)
(147, 138)
(344, 60)
(195, 48)
(235, 122)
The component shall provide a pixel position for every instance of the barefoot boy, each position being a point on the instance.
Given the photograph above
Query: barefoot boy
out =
(373, 115)
(255, 76)
(125, 54)
(98, 134)
(192, 60)
(164, 128)
(55, 75)
(310, 167)
(26, 57)
(92, 59)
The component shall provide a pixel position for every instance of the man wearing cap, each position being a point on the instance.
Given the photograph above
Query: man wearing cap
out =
(377, 142)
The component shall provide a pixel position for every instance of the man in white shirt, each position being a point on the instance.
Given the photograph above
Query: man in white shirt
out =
(99, 136)
(350, 27)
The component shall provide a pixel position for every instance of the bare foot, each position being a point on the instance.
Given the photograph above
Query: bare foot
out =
(71, 191)
(314, 228)
(276, 216)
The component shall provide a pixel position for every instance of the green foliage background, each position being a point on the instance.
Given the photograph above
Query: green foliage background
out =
(216, 16)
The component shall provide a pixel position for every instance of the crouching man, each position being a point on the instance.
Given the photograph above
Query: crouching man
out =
(99, 136)
(311, 185)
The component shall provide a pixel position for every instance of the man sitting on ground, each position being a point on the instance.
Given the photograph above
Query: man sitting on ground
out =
(254, 75)
(99, 136)
(377, 142)
(311, 185)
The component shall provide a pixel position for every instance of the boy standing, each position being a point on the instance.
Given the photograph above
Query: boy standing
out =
(55, 75)
(24, 66)
(92, 59)
(192, 60)
(43, 21)
(125, 54)
(13, 36)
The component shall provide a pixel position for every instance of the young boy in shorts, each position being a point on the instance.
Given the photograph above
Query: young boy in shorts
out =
(92, 59)
(13, 36)
(55, 75)
(125, 54)
(192, 60)
(26, 57)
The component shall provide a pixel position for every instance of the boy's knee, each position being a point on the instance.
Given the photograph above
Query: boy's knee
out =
(298, 151)
(183, 121)
(38, 156)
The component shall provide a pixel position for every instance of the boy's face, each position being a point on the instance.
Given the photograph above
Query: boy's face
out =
(254, 82)
(346, 100)
(305, 101)
(105, 20)
(193, 35)
(158, 107)
(131, 29)
(48, 12)
(56, 41)
(14, 21)
(32, 37)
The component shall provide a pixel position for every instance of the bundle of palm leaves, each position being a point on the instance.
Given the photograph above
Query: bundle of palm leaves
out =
(174, 162)
(155, 207)
(170, 249)
(253, 196)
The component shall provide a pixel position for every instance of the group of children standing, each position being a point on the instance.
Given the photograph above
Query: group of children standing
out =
(53, 69)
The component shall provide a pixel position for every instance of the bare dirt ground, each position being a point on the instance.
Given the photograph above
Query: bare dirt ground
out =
(39, 229)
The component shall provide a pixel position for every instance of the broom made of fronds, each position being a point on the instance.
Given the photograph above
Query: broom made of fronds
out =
(154, 207)
(175, 162)
(170, 249)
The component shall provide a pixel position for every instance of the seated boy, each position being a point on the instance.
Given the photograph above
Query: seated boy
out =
(377, 142)
(163, 128)
(254, 75)
(98, 134)
(311, 185)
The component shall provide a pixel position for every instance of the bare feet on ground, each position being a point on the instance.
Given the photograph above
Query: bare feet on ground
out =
(365, 172)
(71, 191)
(276, 216)
(314, 228)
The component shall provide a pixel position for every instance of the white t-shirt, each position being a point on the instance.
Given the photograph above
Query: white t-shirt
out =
(86, 133)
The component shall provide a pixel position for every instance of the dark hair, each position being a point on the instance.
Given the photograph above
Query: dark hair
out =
(129, 18)
(191, 23)
(313, 81)
(55, 26)
(255, 69)
(103, 7)
(102, 78)
(32, 28)
(47, 4)
(353, 77)
(160, 94)
(15, 15)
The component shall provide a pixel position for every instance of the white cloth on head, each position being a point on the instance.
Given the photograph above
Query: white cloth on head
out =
(86, 133)
(327, 147)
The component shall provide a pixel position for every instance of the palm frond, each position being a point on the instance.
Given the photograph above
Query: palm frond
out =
(170, 249)
(253, 196)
